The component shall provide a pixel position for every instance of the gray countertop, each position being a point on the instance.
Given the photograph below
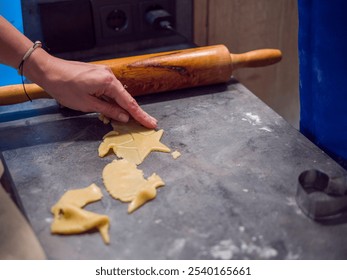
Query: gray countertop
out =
(230, 195)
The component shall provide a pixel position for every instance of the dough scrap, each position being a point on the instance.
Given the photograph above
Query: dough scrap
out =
(104, 119)
(78, 197)
(69, 218)
(125, 182)
(176, 154)
(132, 142)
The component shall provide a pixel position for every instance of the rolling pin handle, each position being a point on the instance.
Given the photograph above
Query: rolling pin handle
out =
(14, 94)
(256, 58)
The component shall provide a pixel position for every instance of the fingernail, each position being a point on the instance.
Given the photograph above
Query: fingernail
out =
(123, 117)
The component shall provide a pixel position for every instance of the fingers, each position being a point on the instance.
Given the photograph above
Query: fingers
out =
(110, 110)
(117, 92)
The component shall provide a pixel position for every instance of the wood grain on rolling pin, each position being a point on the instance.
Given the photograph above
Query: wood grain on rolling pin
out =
(159, 72)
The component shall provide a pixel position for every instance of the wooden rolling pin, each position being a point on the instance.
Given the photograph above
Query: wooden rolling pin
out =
(158, 72)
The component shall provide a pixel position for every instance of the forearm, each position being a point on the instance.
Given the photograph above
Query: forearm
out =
(13, 44)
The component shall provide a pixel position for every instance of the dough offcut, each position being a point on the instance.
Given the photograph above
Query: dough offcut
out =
(70, 218)
(125, 182)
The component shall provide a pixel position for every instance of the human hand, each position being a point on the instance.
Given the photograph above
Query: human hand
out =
(86, 87)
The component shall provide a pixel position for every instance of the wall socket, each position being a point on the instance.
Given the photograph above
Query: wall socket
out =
(120, 20)
(116, 20)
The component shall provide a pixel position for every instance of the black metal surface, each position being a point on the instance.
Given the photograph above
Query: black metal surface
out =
(230, 195)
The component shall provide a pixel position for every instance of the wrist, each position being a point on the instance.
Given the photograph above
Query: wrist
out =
(36, 66)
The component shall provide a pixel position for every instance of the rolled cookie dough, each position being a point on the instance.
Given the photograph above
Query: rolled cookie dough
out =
(132, 142)
(125, 182)
(70, 218)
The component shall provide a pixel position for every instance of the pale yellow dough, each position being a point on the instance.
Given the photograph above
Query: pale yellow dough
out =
(125, 182)
(104, 119)
(176, 154)
(70, 218)
(132, 142)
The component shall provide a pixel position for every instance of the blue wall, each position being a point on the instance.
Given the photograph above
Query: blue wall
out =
(11, 10)
(323, 76)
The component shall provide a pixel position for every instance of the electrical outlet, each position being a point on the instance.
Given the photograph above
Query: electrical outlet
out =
(116, 20)
(113, 20)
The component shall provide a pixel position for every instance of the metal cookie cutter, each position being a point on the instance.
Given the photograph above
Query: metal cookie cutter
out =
(320, 197)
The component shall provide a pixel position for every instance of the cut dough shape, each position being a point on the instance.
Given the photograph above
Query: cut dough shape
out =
(73, 220)
(111, 141)
(132, 142)
(78, 197)
(176, 154)
(69, 218)
(125, 182)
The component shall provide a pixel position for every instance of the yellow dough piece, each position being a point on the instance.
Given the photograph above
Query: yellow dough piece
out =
(132, 142)
(111, 141)
(70, 218)
(104, 119)
(176, 154)
(78, 197)
(125, 182)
